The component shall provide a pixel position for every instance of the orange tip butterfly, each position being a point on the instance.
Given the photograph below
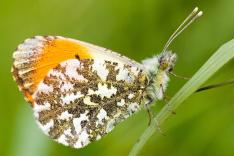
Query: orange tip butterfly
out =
(79, 91)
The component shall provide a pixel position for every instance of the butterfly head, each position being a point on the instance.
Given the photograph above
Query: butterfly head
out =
(167, 61)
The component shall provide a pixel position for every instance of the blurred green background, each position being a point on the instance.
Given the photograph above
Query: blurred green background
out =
(203, 125)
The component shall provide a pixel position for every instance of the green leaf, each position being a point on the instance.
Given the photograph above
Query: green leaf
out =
(224, 54)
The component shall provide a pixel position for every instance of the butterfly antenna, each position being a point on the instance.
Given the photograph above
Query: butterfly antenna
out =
(188, 21)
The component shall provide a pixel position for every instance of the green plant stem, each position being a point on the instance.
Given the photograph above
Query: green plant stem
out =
(224, 54)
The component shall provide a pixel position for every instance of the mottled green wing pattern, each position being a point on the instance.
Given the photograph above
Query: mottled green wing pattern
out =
(79, 101)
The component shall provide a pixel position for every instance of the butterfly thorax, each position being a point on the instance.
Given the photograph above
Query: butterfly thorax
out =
(158, 68)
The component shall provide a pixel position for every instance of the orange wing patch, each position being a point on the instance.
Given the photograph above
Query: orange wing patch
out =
(55, 52)
(41, 59)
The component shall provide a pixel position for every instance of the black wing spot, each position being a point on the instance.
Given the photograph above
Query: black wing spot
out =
(77, 57)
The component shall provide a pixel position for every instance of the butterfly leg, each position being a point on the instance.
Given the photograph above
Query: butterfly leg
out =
(159, 128)
(166, 98)
(150, 114)
(179, 76)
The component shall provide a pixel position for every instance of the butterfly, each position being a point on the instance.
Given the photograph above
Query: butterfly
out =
(79, 91)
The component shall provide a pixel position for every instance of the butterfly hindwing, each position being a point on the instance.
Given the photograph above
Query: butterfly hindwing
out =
(84, 100)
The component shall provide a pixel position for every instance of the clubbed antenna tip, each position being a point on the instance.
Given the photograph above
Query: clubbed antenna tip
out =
(188, 21)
